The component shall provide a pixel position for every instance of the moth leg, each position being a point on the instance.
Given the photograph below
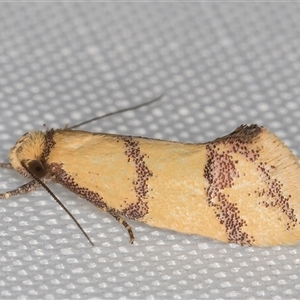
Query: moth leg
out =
(124, 223)
(6, 165)
(23, 189)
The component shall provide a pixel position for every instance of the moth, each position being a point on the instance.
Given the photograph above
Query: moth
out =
(241, 188)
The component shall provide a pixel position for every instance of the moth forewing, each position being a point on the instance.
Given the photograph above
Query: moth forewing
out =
(241, 188)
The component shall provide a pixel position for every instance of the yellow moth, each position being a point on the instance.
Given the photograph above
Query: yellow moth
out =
(241, 188)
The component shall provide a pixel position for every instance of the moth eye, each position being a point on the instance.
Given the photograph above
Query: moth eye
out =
(36, 168)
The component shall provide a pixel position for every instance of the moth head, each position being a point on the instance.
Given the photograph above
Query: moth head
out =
(26, 155)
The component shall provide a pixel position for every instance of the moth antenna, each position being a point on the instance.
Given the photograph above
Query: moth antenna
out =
(58, 201)
(117, 112)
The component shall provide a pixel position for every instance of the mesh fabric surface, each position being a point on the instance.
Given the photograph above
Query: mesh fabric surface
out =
(218, 65)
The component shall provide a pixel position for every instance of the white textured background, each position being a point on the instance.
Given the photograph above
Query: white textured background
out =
(218, 65)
